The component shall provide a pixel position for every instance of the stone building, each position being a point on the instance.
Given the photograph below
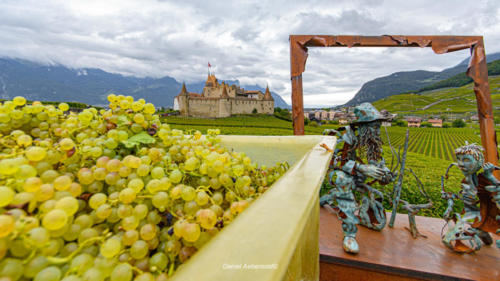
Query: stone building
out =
(220, 100)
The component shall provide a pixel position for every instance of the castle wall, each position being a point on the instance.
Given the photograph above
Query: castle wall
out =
(246, 106)
(203, 108)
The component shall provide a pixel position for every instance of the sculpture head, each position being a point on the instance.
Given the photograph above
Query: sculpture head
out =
(368, 122)
(470, 158)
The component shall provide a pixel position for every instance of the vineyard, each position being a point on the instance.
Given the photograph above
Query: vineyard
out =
(434, 142)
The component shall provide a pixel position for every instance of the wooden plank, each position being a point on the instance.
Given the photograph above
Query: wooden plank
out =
(394, 252)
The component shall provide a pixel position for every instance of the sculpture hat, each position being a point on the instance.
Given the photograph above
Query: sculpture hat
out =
(366, 113)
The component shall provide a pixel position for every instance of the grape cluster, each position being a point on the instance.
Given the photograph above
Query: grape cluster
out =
(112, 194)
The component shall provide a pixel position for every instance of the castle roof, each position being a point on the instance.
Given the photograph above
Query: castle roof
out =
(267, 95)
(211, 80)
(183, 92)
(224, 91)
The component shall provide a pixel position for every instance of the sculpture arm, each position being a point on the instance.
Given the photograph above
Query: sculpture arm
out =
(488, 173)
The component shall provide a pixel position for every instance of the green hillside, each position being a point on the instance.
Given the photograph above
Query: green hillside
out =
(459, 100)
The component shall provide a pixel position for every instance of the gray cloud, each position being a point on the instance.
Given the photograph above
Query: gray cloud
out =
(244, 40)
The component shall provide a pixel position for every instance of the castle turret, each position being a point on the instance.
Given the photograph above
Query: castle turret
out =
(184, 91)
(224, 91)
(267, 95)
(183, 101)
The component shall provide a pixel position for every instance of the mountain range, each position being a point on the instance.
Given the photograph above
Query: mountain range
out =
(90, 85)
(407, 81)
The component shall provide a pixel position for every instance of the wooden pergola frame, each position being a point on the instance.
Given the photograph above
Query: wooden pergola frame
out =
(477, 70)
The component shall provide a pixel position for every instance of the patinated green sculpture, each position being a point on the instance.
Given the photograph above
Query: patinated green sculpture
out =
(351, 172)
(480, 196)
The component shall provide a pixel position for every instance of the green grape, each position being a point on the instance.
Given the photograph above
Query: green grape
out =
(111, 248)
(84, 221)
(87, 234)
(191, 232)
(113, 165)
(153, 217)
(19, 248)
(11, 268)
(188, 193)
(130, 223)
(214, 183)
(136, 184)
(191, 164)
(45, 192)
(191, 207)
(175, 176)
(124, 171)
(6, 196)
(51, 273)
(35, 153)
(153, 185)
(143, 170)
(157, 173)
(160, 200)
(39, 236)
(218, 166)
(206, 218)
(148, 232)
(132, 161)
(68, 204)
(22, 198)
(66, 144)
(72, 232)
(158, 262)
(139, 249)
(103, 211)
(9, 166)
(6, 225)
(218, 198)
(202, 198)
(97, 200)
(111, 143)
(95, 187)
(122, 272)
(24, 140)
(176, 192)
(129, 237)
(82, 263)
(75, 189)
(100, 174)
(125, 211)
(34, 266)
(93, 274)
(105, 265)
(55, 219)
(49, 176)
(72, 278)
(127, 195)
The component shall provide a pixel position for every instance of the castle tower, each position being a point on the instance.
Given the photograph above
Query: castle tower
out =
(267, 95)
(224, 94)
(183, 100)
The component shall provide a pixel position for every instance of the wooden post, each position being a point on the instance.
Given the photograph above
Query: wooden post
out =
(297, 106)
(485, 108)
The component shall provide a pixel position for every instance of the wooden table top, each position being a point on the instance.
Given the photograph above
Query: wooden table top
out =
(394, 250)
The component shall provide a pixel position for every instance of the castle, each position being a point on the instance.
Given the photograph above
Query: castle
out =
(220, 100)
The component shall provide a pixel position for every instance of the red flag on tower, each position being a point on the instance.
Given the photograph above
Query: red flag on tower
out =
(209, 64)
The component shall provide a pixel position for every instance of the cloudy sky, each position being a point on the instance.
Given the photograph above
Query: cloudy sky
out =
(244, 40)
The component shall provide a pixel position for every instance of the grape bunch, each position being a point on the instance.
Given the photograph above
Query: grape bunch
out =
(112, 194)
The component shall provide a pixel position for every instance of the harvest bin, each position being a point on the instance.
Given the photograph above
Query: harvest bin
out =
(276, 237)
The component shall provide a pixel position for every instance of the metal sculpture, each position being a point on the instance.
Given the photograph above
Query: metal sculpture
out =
(480, 196)
(361, 140)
